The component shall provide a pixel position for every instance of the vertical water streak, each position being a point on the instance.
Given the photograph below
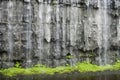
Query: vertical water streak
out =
(105, 32)
(99, 3)
(10, 31)
(88, 3)
(71, 1)
(41, 31)
(63, 10)
(0, 14)
(47, 22)
(73, 25)
(57, 21)
(47, 31)
(103, 36)
(57, 45)
(118, 39)
(99, 21)
(28, 35)
(71, 32)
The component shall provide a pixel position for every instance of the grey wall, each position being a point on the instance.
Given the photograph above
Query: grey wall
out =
(48, 32)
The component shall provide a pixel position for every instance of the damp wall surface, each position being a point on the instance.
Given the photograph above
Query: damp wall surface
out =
(59, 32)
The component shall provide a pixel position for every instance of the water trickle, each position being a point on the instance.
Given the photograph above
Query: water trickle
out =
(28, 36)
(105, 32)
(57, 45)
(103, 43)
(41, 31)
(47, 22)
(10, 30)
(88, 2)
(47, 30)
(99, 20)
(98, 3)
(73, 25)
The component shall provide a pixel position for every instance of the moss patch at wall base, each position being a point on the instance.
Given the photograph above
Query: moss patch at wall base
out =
(40, 69)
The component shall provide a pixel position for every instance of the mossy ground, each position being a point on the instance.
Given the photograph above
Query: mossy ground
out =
(40, 69)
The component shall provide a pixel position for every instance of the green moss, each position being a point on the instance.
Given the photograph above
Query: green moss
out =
(69, 57)
(17, 65)
(41, 69)
(116, 66)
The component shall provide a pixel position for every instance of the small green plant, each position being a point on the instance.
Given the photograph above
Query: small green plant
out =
(69, 57)
(116, 66)
(40, 65)
(17, 65)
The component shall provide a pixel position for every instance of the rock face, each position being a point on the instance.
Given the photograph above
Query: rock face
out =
(59, 32)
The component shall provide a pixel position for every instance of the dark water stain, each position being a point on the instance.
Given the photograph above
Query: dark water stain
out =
(107, 75)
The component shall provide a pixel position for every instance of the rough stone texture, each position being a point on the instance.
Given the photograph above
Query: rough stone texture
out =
(48, 31)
